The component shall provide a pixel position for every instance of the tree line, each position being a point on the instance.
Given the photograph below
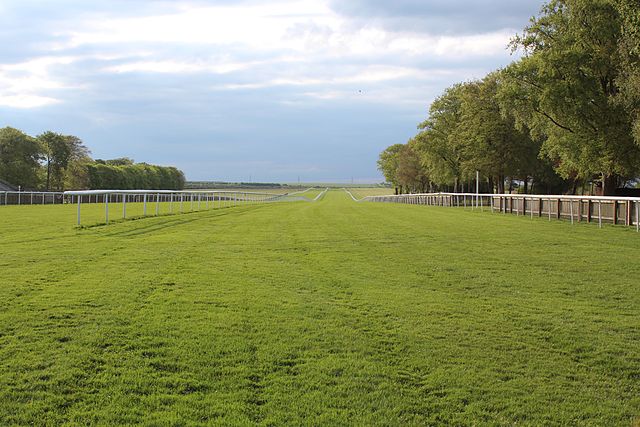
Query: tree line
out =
(565, 116)
(55, 162)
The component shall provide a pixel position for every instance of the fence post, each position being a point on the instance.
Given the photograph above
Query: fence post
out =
(124, 206)
(571, 210)
(106, 208)
(157, 204)
(599, 213)
(79, 199)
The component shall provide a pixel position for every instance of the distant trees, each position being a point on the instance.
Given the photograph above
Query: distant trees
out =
(134, 176)
(19, 158)
(565, 114)
(388, 165)
(53, 161)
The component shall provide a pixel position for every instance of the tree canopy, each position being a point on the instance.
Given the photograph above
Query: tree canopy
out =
(53, 161)
(566, 112)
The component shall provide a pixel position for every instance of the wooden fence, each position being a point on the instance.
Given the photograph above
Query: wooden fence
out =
(600, 209)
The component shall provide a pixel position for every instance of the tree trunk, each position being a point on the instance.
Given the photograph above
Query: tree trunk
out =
(501, 184)
(48, 172)
(526, 185)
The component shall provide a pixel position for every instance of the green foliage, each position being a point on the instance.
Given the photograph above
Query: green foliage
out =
(19, 158)
(491, 142)
(410, 173)
(439, 142)
(567, 86)
(121, 161)
(388, 163)
(630, 60)
(140, 176)
(57, 155)
(326, 313)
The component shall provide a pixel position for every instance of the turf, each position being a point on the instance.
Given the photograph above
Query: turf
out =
(325, 313)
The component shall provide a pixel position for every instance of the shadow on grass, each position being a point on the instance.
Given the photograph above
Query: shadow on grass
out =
(166, 221)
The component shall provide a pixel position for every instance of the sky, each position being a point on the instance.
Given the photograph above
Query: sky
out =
(268, 91)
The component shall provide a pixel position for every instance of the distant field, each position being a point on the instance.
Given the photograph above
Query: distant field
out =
(325, 313)
(360, 192)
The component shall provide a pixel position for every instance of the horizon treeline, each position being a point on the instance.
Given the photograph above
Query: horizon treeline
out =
(55, 162)
(565, 116)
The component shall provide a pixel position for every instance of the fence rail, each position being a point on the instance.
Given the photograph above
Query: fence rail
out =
(31, 198)
(600, 209)
(178, 201)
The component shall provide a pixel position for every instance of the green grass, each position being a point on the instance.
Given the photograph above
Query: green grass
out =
(326, 313)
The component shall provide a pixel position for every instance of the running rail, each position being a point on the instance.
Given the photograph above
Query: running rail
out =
(194, 198)
(604, 209)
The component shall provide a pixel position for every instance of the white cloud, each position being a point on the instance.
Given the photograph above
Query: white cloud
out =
(25, 84)
(302, 26)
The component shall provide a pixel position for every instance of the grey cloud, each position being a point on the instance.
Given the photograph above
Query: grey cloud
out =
(441, 16)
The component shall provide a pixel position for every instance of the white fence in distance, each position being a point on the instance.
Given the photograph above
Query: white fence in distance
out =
(603, 209)
(178, 201)
(31, 198)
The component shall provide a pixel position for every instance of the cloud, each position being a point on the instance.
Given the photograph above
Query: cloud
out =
(278, 87)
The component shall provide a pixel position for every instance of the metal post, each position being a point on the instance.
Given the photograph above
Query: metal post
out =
(191, 202)
(171, 203)
(79, 199)
(477, 187)
(157, 204)
(124, 206)
(144, 205)
(599, 213)
(637, 218)
(571, 210)
(549, 209)
(106, 208)
(199, 199)
(181, 200)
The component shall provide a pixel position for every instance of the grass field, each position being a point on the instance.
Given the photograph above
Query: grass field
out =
(326, 313)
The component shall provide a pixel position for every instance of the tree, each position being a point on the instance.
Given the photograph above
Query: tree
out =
(120, 161)
(566, 90)
(630, 60)
(76, 176)
(410, 173)
(57, 154)
(19, 158)
(388, 164)
(439, 142)
(492, 144)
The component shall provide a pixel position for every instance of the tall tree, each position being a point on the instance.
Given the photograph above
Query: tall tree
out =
(439, 142)
(57, 153)
(630, 60)
(76, 173)
(492, 144)
(19, 158)
(388, 164)
(411, 174)
(565, 90)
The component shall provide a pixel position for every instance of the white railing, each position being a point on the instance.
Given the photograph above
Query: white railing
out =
(603, 209)
(31, 197)
(178, 201)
